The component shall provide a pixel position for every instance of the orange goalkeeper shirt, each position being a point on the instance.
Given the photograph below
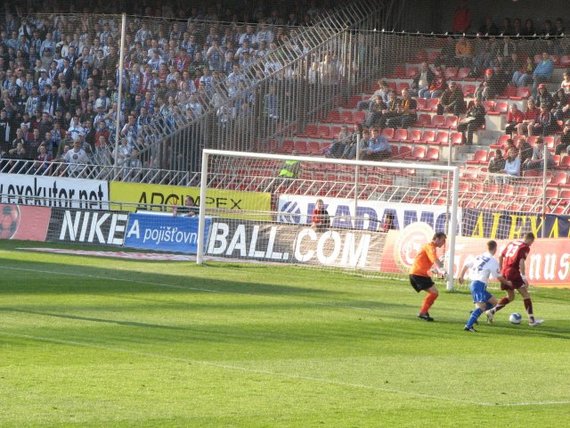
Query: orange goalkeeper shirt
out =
(424, 260)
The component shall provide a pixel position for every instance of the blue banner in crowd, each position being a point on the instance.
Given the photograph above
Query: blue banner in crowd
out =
(164, 233)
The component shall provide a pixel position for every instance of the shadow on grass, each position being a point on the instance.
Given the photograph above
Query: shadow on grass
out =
(31, 277)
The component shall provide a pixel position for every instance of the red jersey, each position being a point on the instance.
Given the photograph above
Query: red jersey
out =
(512, 255)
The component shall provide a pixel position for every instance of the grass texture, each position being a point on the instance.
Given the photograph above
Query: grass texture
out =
(88, 341)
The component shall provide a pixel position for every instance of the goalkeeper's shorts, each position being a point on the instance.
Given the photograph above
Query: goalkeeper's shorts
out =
(421, 283)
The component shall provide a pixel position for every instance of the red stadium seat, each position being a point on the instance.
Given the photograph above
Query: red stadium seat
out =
(432, 154)
(311, 130)
(401, 135)
(346, 117)
(551, 192)
(456, 138)
(438, 121)
(405, 152)
(502, 141)
(442, 138)
(287, 146)
(424, 120)
(388, 133)
(422, 104)
(489, 106)
(558, 178)
(549, 141)
(414, 136)
(469, 90)
(565, 196)
(565, 162)
(451, 122)
(502, 107)
(428, 137)
(432, 104)
(412, 72)
(324, 132)
(333, 117)
(523, 92)
(565, 60)
(419, 153)
(479, 158)
(300, 146)
(315, 148)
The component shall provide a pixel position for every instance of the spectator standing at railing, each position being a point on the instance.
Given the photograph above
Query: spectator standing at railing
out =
(43, 161)
(75, 158)
(6, 127)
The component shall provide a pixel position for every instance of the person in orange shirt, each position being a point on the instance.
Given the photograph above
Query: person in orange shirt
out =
(419, 273)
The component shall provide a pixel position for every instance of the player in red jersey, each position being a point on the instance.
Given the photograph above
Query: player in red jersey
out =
(512, 262)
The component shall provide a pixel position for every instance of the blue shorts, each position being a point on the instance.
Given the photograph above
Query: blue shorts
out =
(479, 292)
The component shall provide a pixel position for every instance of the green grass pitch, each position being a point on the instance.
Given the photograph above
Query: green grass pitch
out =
(88, 341)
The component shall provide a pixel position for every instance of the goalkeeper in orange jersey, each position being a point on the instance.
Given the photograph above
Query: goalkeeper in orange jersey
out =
(419, 273)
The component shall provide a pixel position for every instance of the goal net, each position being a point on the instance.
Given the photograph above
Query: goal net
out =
(379, 213)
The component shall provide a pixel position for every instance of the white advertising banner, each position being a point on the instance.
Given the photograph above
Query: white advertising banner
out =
(61, 192)
(369, 215)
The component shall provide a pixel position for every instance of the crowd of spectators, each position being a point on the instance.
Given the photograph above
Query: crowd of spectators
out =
(59, 74)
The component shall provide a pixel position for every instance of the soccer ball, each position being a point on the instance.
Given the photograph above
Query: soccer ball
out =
(515, 318)
(9, 220)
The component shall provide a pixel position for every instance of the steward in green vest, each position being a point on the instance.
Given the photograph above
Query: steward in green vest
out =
(290, 169)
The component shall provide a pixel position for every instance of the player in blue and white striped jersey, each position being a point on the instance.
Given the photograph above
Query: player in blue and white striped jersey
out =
(481, 268)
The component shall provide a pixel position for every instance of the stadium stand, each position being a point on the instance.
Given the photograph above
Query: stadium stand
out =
(257, 83)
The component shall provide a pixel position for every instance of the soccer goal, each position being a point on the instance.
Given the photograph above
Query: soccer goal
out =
(379, 213)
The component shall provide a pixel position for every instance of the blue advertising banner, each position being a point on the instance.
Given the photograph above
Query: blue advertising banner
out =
(164, 233)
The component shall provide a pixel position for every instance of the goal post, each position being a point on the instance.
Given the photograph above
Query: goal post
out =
(360, 195)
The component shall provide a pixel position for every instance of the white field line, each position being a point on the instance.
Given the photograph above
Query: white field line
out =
(282, 375)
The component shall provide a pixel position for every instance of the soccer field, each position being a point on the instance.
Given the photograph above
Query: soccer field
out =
(91, 341)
